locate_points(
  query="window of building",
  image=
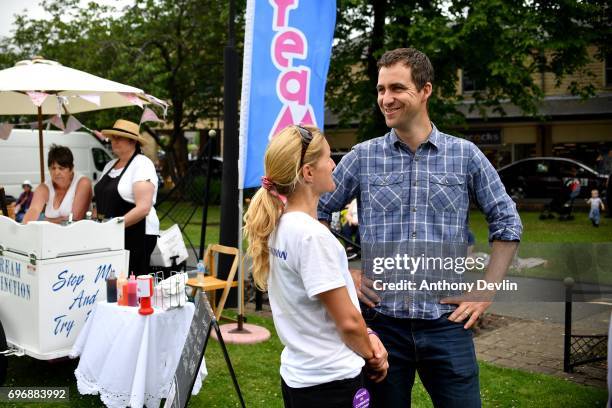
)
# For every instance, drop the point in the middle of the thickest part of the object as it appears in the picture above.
(469, 83)
(608, 63)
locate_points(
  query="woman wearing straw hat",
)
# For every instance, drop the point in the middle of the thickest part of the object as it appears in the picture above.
(128, 189)
(65, 194)
(312, 296)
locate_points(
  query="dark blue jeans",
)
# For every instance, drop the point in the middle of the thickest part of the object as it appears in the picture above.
(442, 352)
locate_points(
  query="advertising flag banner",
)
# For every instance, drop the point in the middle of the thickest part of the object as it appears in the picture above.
(287, 49)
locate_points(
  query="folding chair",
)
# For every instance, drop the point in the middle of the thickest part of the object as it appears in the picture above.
(211, 283)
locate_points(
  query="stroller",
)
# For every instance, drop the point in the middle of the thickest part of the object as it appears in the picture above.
(563, 204)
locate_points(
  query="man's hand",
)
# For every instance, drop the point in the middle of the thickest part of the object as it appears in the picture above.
(378, 365)
(365, 290)
(469, 307)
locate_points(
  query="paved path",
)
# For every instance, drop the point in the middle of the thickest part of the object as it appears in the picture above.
(535, 346)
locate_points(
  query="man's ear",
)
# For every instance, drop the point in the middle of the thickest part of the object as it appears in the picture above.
(427, 90)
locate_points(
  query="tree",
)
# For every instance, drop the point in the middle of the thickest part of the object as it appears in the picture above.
(501, 43)
(172, 49)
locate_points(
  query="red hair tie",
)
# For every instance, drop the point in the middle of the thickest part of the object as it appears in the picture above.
(268, 185)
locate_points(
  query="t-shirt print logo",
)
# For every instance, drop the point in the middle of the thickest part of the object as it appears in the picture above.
(278, 253)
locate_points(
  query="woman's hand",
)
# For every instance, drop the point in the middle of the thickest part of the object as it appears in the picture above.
(378, 365)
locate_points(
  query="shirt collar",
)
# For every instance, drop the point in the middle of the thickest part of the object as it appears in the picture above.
(434, 138)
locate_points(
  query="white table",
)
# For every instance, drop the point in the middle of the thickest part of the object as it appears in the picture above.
(130, 359)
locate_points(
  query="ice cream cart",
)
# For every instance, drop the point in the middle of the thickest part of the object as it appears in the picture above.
(50, 278)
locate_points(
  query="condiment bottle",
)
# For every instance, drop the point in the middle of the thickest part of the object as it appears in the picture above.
(122, 290)
(111, 287)
(131, 291)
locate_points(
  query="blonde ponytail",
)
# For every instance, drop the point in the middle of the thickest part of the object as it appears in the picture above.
(282, 168)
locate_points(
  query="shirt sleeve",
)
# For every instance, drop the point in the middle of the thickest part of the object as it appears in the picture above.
(144, 171)
(346, 177)
(320, 267)
(499, 209)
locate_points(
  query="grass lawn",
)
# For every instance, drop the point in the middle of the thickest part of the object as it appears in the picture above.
(257, 370)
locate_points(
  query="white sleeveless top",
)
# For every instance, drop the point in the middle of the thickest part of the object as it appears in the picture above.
(65, 207)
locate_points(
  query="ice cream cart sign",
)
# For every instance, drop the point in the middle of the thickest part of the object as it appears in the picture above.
(78, 293)
(10, 279)
(44, 307)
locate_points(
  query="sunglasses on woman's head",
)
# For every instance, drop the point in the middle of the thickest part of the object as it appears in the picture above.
(306, 136)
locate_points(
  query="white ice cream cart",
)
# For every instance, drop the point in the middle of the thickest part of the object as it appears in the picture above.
(50, 278)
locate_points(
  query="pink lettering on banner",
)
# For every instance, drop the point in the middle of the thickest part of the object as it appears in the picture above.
(286, 46)
(293, 83)
(281, 11)
(293, 86)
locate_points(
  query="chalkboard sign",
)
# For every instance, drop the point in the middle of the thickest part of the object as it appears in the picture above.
(193, 352)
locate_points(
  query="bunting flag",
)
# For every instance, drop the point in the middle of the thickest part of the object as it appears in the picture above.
(72, 125)
(37, 97)
(133, 98)
(5, 130)
(287, 49)
(158, 102)
(57, 122)
(148, 115)
(95, 99)
(99, 135)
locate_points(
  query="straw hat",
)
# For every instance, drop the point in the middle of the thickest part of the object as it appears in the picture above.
(125, 128)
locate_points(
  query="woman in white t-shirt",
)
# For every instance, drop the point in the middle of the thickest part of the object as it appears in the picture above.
(64, 194)
(128, 189)
(304, 268)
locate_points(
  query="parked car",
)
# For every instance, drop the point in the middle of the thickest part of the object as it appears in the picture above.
(544, 177)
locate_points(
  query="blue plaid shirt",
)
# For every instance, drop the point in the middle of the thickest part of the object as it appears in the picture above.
(421, 196)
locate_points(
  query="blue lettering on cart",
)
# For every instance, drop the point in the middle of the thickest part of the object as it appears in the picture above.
(278, 253)
(63, 325)
(11, 268)
(84, 300)
(15, 287)
(103, 272)
(64, 281)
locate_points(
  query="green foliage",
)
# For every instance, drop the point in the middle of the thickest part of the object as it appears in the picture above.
(502, 44)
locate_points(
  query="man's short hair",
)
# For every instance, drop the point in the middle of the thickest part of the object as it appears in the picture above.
(60, 155)
(421, 69)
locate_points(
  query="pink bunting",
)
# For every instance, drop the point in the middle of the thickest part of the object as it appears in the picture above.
(95, 99)
(57, 122)
(133, 98)
(148, 115)
(5, 130)
(99, 135)
(72, 124)
(37, 97)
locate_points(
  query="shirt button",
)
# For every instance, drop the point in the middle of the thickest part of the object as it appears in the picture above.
(413, 210)
(414, 184)
(414, 235)
(416, 159)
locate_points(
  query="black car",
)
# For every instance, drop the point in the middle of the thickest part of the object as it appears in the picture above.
(545, 177)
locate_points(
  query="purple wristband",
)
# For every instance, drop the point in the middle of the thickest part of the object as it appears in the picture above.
(370, 331)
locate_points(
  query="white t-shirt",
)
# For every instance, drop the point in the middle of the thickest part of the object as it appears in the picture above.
(595, 203)
(140, 169)
(305, 260)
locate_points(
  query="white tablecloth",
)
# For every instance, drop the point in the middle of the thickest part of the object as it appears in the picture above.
(131, 359)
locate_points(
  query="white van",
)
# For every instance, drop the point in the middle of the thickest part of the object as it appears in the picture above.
(19, 157)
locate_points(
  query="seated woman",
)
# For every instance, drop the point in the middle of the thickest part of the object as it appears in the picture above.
(24, 200)
(64, 193)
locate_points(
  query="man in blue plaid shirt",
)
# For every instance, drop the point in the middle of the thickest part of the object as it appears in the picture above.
(414, 185)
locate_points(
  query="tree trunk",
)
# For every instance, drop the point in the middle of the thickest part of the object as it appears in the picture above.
(179, 144)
